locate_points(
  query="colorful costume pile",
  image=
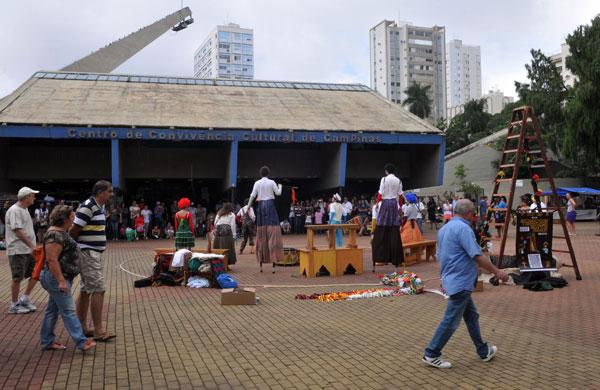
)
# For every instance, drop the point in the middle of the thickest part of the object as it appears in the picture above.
(407, 283)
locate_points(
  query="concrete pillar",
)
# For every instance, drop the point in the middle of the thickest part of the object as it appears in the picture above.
(342, 156)
(333, 167)
(232, 168)
(115, 163)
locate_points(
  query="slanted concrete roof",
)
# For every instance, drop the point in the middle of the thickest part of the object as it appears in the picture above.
(81, 99)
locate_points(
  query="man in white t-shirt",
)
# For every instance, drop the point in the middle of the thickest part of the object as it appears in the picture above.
(421, 207)
(147, 214)
(347, 205)
(20, 242)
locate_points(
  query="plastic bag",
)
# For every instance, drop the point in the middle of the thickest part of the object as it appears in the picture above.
(226, 281)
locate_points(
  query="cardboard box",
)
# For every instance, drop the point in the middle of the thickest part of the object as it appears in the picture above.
(238, 296)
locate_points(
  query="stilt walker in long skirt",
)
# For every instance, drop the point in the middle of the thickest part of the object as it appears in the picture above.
(269, 244)
(387, 244)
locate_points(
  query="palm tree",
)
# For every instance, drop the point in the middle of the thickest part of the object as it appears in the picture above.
(418, 100)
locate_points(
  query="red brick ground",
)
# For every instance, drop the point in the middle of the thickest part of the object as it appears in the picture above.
(182, 338)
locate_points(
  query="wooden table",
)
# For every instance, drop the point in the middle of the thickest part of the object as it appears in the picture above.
(335, 260)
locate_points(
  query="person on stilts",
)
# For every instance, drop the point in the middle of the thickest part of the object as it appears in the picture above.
(269, 244)
(386, 245)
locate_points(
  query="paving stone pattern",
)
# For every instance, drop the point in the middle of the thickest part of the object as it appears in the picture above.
(175, 337)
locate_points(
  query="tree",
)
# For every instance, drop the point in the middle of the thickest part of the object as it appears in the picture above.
(581, 142)
(470, 190)
(467, 127)
(475, 118)
(418, 100)
(546, 92)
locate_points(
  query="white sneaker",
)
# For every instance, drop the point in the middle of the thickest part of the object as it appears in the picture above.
(27, 304)
(491, 353)
(18, 309)
(437, 362)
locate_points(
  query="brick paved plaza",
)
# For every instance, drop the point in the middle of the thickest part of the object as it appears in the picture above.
(175, 337)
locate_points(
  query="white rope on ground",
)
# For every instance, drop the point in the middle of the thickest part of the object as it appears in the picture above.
(280, 285)
(129, 272)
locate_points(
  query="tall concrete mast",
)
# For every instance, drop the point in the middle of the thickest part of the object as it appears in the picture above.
(108, 58)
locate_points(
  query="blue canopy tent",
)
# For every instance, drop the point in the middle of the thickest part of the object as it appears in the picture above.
(562, 191)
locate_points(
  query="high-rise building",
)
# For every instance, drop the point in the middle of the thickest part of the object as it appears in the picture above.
(463, 73)
(560, 61)
(495, 101)
(227, 53)
(402, 54)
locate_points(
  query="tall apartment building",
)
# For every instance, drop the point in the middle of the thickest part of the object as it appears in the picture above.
(227, 53)
(402, 54)
(495, 101)
(560, 61)
(463, 73)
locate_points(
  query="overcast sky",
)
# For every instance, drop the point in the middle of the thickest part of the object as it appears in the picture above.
(302, 40)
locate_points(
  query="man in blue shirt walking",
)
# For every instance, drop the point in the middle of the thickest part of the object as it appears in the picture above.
(459, 256)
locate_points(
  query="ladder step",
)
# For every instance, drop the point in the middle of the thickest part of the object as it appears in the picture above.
(500, 195)
(561, 237)
(561, 251)
(503, 180)
(510, 151)
(507, 165)
(513, 136)
(537, 166)
(500, 209)
(534, 151)
(519, 122)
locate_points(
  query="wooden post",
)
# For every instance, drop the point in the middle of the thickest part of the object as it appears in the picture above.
(310, 235)
(331, 237)
(352, 238)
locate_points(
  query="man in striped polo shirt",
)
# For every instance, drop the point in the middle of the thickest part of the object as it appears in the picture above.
(89, 230)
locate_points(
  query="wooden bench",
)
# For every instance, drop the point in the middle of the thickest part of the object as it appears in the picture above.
(413, 251)
(335, 260)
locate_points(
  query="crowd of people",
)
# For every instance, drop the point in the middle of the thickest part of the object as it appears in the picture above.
(67, 242)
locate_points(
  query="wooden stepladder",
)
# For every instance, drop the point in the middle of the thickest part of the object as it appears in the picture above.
(524, 145)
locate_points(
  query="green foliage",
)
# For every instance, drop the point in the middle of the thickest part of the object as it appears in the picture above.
(460, 172)
(581, 141)
(418, 100)
(441, 124)
(467, 127)
(546, 93)
(470, 190)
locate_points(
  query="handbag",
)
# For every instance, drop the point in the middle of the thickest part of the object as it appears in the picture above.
(39, 254)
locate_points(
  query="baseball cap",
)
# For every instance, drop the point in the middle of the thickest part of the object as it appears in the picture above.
(23, 192)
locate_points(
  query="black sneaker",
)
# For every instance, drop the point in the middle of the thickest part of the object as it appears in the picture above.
(491, 353)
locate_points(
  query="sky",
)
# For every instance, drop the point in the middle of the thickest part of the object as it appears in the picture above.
(297, 40)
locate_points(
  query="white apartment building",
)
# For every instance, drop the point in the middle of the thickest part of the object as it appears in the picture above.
(560, 61)
(401, 54)
(495, 101)
(463, 74)
(226, 53)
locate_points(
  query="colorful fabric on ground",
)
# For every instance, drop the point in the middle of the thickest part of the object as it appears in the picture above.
(404, 280)
(410, 285)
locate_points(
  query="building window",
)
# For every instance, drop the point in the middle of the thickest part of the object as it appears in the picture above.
(224, 36)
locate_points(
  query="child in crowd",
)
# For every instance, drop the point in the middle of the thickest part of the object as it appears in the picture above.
(139, 226)
(169, 231)
(156, 232)
(286, 227)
